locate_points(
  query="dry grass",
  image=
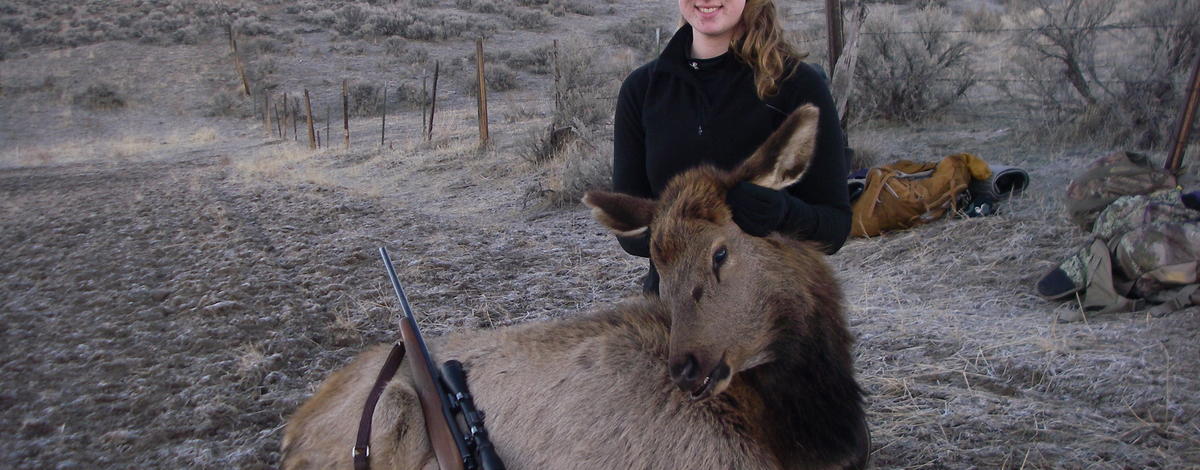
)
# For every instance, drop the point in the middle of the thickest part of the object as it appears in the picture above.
(120, 149)
(372, 171)
(354, 20)
(250, 359)
(287, 162)
(582, 164)
(962, 359)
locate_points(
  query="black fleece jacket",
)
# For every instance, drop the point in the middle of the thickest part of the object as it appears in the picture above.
(675, 113)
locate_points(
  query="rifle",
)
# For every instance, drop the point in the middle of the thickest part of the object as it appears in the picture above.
(441, 396)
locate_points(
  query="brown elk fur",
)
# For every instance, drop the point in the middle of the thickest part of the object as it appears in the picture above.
(764, 325)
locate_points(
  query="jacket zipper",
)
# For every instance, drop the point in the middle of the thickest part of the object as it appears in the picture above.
(704, 104)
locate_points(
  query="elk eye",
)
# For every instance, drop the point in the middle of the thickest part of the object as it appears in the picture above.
(719, 258)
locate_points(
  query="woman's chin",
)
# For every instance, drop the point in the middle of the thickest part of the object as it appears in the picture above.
(711, 28)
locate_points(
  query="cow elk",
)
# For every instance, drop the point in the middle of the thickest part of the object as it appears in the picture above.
(742, 362)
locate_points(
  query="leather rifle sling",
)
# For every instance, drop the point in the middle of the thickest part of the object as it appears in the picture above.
(362, 444)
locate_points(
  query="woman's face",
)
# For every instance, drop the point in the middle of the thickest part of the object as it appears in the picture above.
(712, 17)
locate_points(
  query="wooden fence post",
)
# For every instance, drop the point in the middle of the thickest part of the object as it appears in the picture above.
(424, 100)
(841, 81)
(312, 135)
(1183, 129)
(345, 115)
(327, 134)
(267, 113)
(481, 101)
(833, 24)
(278, 121)
(285, 116)
(433, 101)
(237, 61)
(295, 117)
(557, 79)
(383, 117)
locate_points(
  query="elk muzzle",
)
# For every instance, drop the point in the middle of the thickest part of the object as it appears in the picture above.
(698, 379)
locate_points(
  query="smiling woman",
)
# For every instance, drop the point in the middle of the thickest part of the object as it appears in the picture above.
(724, 82)
(712, 24)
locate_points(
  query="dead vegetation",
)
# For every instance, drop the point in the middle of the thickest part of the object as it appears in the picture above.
(497, 76)
(575, 149)
(100, 96)
(645, 35)
(907, 76)
(1085, 76)
(28, 24)
(355, 21)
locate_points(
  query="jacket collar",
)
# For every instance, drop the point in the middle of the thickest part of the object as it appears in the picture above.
(674, 57)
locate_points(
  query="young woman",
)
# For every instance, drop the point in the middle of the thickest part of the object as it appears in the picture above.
(725, 82)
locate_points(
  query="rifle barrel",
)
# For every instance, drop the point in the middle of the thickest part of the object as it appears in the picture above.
(387, 262)
(408, 313)
(444, 436)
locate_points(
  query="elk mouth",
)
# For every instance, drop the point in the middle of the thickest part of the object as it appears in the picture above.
(717, 377)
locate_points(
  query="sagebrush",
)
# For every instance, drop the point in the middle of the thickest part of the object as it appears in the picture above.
(1081, 78)
(910, 71)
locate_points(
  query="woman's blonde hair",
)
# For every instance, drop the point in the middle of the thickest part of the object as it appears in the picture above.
(760, 42)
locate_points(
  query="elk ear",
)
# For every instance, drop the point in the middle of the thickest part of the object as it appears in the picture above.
(628, 216)
(781, 160)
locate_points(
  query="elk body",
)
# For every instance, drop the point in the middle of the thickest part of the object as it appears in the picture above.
(742, 362)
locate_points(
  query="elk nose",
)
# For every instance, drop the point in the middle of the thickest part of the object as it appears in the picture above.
(685, 371)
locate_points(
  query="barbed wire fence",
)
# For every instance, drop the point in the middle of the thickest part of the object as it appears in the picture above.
(995, 74)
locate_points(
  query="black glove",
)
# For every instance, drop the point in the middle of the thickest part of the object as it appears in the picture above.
(1191, 200)
(757, 210)
(650, 282)
(638, 245)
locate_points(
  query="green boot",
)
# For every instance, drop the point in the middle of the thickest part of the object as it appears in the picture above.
(1089, 271)
(1065, 279)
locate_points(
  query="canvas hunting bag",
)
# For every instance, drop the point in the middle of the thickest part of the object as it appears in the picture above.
(905, 194)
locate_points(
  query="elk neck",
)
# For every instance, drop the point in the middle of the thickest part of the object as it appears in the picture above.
(813, 407)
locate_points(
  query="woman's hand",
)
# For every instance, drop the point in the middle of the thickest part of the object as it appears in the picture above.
(757, 210)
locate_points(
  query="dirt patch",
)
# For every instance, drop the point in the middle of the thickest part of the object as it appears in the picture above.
(162, 314)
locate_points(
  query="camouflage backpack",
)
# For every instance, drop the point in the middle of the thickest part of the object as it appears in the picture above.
(1108, 178)
(1146, 249)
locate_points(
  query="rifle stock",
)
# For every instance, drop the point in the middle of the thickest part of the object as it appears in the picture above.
(438, 418)
(433, 407)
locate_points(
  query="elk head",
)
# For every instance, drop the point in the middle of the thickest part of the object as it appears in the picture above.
(725, 289)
